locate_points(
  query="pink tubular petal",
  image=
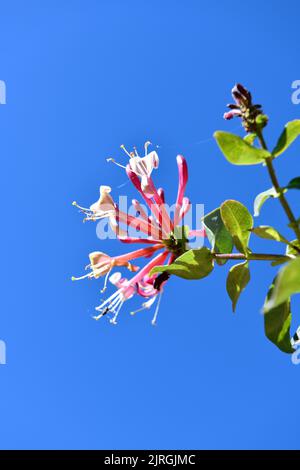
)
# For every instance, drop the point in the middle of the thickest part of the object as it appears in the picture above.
(161, 194)
(186, 205)
(142, 253)
(134, 222)
(139, 209)
(138, 240)
(172, 259)
(183, 179)
(158, 209)
(136, 182)
(159, 259)
(165, 220)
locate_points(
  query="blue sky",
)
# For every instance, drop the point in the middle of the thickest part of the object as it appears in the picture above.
(82, 78)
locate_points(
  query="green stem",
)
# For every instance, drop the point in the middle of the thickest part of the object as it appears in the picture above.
(251, 257)
(286, 207)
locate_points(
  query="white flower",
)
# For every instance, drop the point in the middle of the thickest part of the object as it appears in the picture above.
(105, 204)
(143, 168)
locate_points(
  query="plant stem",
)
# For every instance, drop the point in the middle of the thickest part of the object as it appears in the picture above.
(251, 257)
(286, 207)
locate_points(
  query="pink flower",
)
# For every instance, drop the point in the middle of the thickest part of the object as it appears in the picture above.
(158, 230)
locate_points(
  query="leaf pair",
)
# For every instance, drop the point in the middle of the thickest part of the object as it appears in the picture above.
(238, 221)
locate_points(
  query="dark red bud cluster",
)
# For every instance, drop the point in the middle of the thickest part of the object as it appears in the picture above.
(243, 108)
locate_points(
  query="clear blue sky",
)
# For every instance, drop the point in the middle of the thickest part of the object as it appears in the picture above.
(82, 78)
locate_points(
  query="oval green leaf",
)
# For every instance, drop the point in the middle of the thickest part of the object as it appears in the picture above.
(269, 233)
(194, 264)
(287, 283)
(278, 322)
(238, 221)
(237, 280)
(289, 134)
(237, 151)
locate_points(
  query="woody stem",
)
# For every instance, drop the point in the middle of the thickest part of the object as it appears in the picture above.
(286, 207)
(251, 257)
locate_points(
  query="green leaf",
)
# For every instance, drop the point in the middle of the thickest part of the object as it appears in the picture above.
(237, 280)
(294, 183)
(238, 221)
(250, 138)
(290, 133)
(287, 283)
(237, 151)
(217, 234)
(269, 233)
(194, 264)
(261, 198)
(278, 322)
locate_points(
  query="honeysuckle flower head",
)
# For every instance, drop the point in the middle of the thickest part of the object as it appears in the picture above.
(163, 239)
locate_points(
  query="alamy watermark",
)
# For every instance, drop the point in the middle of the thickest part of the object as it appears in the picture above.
(296, 93)
(2, 92)
(2, 352)
(296, 344)
(296, 356)
(129, 221)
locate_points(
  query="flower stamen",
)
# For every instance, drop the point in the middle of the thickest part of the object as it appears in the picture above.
(145, 305)
(156, 310)
(126, 151)
(114, 319)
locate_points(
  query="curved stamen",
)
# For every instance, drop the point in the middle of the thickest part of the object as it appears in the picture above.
(114, 319)
(145, 305)
(156, 310)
